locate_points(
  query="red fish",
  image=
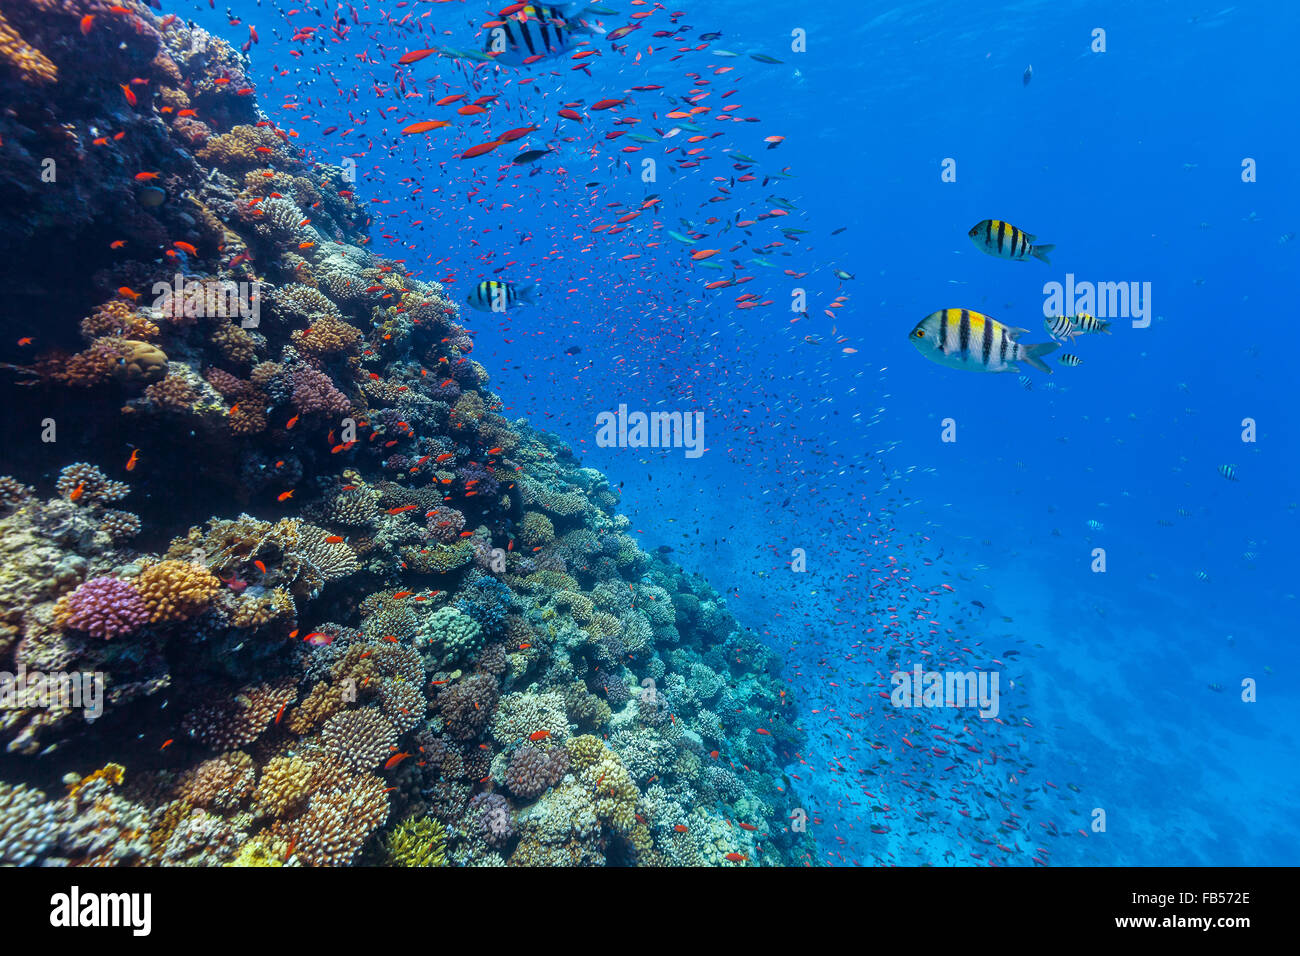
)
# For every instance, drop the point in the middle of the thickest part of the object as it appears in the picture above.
(425, 126)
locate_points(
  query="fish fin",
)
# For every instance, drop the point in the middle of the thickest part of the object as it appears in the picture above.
(1014, 334)
(1031, 237)
(1040, 252)
(525, 294)
(1104, 328)
(1031, 354)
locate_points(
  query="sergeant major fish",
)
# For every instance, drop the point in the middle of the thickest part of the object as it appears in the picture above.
(490, 295)
(960, 338)
(1005, 241)
(534, 32)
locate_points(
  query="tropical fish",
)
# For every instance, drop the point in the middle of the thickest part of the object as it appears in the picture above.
(534, 32)
(1228, 471)
(1061, 327)
(960, 338)
(1090, 323)
(530, 156)
(425, 126)
(490, 293)
(1005, 241)
(1068, 359)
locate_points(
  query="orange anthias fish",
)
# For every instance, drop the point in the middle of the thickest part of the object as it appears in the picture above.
(736, 857)
(402, 594)
(480, 149)
(285, 495)
(77, 492)
(537, 735)
(131, 462)
(681, 828)
(415, 56)
(394, 760)
(425, 126)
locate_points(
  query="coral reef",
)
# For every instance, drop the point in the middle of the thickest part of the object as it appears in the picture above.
(391, 625)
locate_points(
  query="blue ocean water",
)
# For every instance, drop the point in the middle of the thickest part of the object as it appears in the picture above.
(1128, 684)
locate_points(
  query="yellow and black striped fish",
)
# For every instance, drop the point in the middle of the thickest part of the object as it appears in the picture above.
(1068, 359)
(537, 30)
(1061, 327)
(1091, 324)
(1005, 241)
(493, 296)
(960, 338)
(1228, 471)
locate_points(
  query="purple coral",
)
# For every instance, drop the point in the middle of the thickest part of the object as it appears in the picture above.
(532, 771)
(314, 391)
(106, 607)
(485, 482)
(493, 818)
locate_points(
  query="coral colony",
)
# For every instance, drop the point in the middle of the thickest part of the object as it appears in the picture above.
(437, 644)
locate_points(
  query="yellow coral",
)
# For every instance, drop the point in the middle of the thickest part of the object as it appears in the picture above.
(29, 63)
(176, 590)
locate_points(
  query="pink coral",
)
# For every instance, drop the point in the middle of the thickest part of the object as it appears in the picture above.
(106, 607)
(314, 391)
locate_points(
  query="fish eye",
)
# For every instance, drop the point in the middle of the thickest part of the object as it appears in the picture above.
(919, 333)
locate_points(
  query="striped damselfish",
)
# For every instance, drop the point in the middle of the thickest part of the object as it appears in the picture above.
(1005, 241)
(960, 338)
(491, 295)
(534, 32)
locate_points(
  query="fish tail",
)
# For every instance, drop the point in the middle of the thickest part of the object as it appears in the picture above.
(525, 294)
(1040, 252)
(1032, 353)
